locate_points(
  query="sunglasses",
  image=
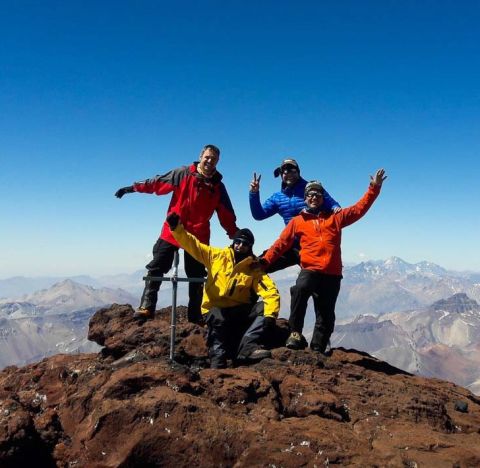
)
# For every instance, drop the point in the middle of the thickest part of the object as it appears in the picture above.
(242, 242)
(288, 168)
(314, 195)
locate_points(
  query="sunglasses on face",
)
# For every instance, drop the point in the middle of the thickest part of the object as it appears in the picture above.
(287, 169)
(242, 242)
(314, 195)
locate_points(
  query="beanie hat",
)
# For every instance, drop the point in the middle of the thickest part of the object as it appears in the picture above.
(286, 162)
(245, 235)
(313, 185)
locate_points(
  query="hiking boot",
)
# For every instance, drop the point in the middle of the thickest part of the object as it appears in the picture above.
(327, 351)
(259, 354)
(143, 314)
(295, 341)
(318, 350)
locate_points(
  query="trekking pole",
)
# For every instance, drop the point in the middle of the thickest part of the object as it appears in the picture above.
(175, 280)
(173, 324)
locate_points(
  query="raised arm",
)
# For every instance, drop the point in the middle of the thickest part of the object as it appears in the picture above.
(259, 211)
(353, 213)
(200, 252)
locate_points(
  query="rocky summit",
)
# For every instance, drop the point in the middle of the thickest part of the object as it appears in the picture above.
(129, 406)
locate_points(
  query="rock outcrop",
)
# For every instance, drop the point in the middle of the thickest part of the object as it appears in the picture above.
(129, 406)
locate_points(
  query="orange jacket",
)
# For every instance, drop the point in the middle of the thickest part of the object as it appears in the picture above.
(321, 235)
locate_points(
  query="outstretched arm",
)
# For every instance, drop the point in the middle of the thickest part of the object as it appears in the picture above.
(281, 245)
(353, 213)
(162, 184)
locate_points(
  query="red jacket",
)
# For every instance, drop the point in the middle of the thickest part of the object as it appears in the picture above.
(195, 199)
(321, 235)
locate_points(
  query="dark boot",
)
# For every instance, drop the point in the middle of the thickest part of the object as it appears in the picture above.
(143, 314)
(296, 341)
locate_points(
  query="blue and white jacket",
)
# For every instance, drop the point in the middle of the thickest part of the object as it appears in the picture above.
(287, 203)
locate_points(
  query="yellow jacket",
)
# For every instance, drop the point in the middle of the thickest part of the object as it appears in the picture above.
(229, 284)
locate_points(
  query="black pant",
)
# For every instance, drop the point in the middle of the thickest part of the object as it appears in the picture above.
(234, 332)
(161, 263)
(289, 258)
(324, 289)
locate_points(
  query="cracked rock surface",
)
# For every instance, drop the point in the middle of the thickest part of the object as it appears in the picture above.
(128, 406)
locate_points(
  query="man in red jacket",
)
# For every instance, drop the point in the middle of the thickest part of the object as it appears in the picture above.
(198, 192)
(320, 235)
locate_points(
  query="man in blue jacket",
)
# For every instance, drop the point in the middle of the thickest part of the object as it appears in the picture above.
(288, 202)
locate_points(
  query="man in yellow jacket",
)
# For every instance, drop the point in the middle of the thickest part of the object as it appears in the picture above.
(237, 323)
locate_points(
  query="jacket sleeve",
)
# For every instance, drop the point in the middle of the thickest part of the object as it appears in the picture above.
(188, 242)
(329, 202)
(282, 244)
(353, 213)
(267, 290)
(162, 184)
(226, 214)
(259, 211)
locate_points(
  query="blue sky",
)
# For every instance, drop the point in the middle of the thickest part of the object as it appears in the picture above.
(95, 95)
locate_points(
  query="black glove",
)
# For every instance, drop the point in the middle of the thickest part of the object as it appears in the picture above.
(269, 323)
(121, 192)
(263, 264)
(173, 219)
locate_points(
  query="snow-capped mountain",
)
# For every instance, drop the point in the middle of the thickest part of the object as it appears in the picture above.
(52, 320)
(441, 340)
(68, 296)
(64, 297)
(378, 287)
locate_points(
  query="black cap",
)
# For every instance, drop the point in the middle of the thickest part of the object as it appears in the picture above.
(244, 235)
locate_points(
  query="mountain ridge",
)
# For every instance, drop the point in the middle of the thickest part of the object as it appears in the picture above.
(129, 406)
(439, 340)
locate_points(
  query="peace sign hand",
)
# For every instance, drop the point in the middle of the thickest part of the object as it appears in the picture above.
(255, 183)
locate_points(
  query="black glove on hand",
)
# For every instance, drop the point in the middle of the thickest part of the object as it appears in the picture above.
(269, 323)
(173, 219)
(121, 192)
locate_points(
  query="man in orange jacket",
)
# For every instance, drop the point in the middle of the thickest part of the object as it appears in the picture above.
(320, 235)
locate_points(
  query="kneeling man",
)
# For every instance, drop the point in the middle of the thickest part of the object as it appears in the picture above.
(237, 323)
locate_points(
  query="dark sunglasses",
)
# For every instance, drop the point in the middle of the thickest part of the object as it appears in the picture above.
(244, 242)
(288, 168)
(314, 195)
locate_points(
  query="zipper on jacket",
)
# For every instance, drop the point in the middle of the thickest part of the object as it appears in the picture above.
(232, 288)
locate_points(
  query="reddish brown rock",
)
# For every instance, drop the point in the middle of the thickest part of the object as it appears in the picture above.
(129, 406)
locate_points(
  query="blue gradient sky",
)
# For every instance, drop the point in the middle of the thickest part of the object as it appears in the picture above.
(95, 95)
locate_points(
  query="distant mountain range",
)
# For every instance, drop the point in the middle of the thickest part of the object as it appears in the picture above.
(441, 340)
(51, 321)
(17, 286)
(378, 287)
(373, 287)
